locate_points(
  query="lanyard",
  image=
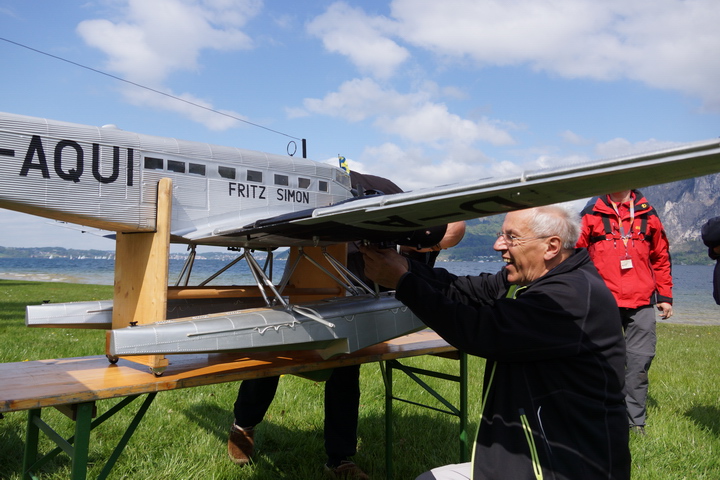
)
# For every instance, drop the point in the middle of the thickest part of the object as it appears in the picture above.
(623, 236)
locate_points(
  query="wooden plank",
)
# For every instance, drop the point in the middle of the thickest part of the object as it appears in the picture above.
(43, 383)
(71, 410)
(141, 268)
(141, 273)
(244, 291)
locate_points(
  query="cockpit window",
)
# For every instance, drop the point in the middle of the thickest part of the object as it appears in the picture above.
(254, 176)
(175, 166)
(197, 169)
(152, 163)
(227, 172)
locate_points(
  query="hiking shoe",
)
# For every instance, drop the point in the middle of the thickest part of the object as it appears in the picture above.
(241, 445)
(638, 429)
(345, 471)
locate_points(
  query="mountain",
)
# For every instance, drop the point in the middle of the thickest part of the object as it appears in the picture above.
(480, 235)
(684, 207)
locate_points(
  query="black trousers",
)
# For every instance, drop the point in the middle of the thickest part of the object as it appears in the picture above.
(342, 401)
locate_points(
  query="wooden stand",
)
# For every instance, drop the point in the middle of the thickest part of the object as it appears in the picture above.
(141, 275)
(307, 276)
(141, 278)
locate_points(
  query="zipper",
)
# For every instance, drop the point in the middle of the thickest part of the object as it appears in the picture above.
(534, 458)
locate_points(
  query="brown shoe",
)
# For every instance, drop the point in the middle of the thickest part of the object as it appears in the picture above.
(346, 471)
(241, 445)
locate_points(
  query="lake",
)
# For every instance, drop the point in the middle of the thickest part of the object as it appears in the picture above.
(693, 302)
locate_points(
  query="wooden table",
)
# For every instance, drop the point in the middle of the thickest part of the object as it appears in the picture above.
(73, 385)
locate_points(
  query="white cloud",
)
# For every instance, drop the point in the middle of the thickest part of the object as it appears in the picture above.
(665, 44)
(573, 138)
(359, 99)
(620, 147)
(557, 161)
(153, 40)
(9, 12)
(362, 38)
(189, 106)
(412, 168)
(432, 124)
(412, 117)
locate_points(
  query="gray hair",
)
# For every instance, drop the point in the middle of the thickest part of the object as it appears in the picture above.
(555, 220)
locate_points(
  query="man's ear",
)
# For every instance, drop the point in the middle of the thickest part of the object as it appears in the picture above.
(553, 247)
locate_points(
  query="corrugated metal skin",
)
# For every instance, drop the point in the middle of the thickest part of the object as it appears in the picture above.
(52, 169)
(118, 194)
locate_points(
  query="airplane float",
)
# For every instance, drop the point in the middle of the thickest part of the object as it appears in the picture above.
(153, 191)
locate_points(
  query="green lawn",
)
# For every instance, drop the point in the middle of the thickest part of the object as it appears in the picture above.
(184, 434)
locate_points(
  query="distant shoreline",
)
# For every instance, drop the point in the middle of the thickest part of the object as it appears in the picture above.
(44, 277)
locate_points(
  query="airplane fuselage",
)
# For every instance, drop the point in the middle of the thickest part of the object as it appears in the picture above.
(115, 180)
(107, 178)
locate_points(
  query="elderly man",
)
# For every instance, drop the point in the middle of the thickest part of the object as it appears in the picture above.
(553, 403)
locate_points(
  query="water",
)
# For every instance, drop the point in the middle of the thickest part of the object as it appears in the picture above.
(99, 271)
(693, 302)
(692, 290)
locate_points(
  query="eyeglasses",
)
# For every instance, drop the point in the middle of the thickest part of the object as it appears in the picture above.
(511, 239)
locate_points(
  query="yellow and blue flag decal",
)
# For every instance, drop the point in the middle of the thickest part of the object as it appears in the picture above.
(343, 164)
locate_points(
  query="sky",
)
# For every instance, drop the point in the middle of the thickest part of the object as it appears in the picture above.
(423, 92)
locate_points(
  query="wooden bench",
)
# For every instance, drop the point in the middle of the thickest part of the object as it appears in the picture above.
(73, 385)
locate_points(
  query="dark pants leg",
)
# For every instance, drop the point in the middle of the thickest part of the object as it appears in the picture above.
(641, 340)
(253, 400)
(342, 401)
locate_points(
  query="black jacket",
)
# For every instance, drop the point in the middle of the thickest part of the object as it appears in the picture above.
(710, 233)
(556, 357)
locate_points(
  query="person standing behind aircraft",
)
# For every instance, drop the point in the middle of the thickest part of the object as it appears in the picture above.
(553, 402)
(711, 238)
(342, 387)
(628, 245)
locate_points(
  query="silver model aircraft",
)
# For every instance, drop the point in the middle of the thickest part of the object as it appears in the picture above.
(154, 191)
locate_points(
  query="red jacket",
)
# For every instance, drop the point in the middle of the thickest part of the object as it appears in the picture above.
(638, 270)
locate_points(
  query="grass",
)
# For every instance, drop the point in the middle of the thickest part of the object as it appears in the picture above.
(184, 434)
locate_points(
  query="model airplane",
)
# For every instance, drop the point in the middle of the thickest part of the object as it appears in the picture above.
(153, 191)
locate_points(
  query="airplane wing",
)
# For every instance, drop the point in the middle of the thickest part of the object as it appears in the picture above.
(388, 217)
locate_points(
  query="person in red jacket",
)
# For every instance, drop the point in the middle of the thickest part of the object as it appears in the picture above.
(627, 243)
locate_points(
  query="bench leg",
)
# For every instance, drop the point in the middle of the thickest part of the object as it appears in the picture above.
(461, 412)
(82, 441)
(32, 436)
(77, 447)
(387, 377)
(465, 440)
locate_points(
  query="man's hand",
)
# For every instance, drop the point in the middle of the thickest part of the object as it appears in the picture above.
(384, 266)
(665, 309)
